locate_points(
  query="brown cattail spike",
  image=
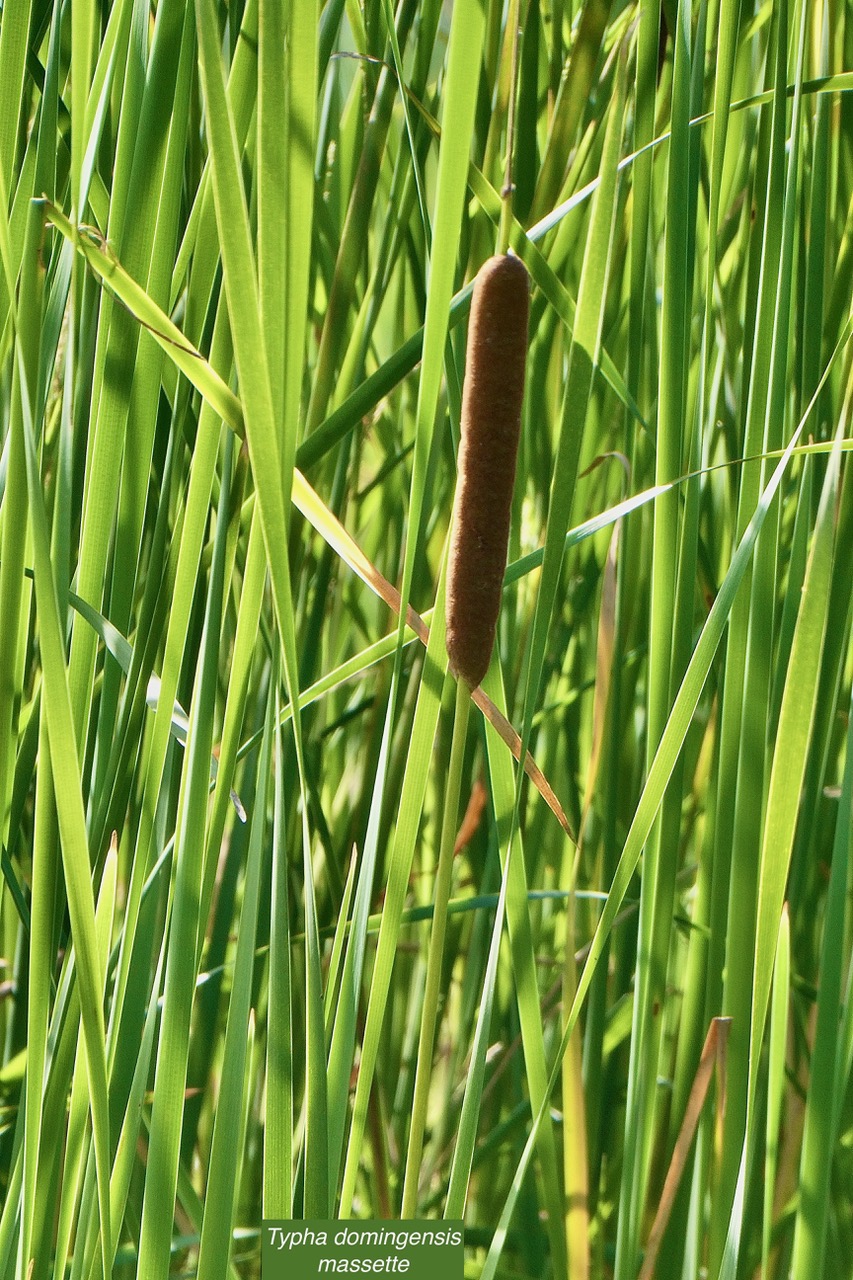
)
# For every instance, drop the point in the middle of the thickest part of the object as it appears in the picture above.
(491, 421)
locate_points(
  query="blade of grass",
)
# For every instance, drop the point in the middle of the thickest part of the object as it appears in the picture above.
(69, 799)
(220, 1200)
(170, 1074)
(826, 1075)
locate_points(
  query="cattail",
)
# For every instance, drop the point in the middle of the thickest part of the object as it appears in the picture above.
(491, 421)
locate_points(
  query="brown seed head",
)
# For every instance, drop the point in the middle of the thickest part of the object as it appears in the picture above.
(491, 420)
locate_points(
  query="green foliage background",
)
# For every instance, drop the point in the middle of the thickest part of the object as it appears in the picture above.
(242, 970)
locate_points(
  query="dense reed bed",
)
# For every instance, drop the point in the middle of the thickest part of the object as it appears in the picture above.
(285, 929)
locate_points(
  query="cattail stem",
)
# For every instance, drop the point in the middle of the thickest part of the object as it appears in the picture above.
(506, 207)
(432, 991)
